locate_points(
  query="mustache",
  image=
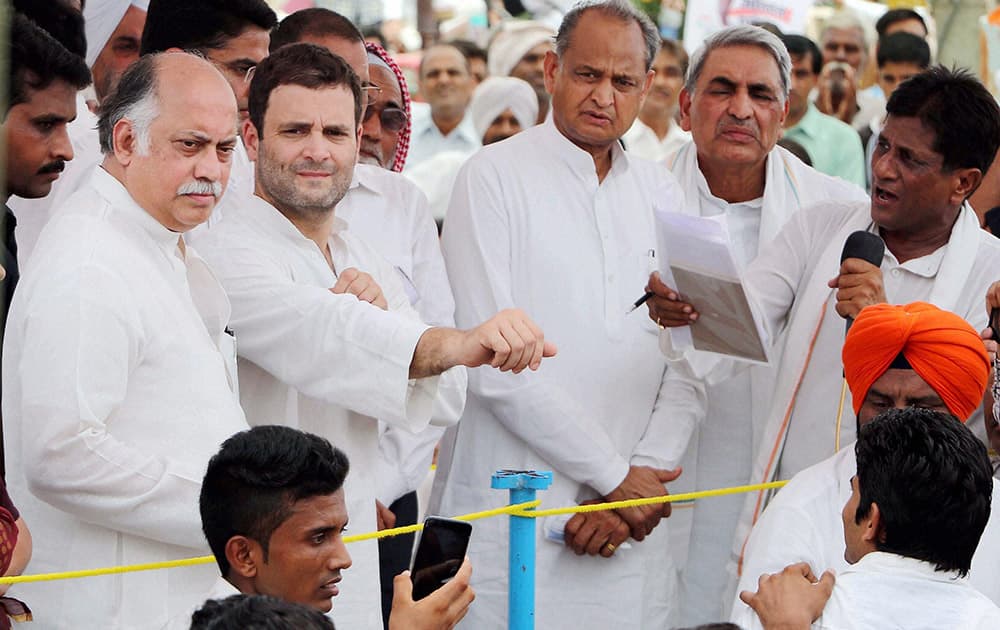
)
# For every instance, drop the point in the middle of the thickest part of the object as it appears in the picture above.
(53, 167)
(201, 187)
(315, 167)
(731, 122)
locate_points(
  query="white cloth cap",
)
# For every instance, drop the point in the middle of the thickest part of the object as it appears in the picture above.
(496, 94)
(101, 18)
(513, 41)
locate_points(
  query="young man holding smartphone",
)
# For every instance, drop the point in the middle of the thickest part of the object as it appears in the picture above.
(273, 511)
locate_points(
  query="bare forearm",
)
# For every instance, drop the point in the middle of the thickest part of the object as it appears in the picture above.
(435, 352)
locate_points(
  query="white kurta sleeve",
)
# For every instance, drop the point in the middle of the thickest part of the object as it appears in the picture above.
(773, 278)
(436, 305)
(477, 250)
(81, 340)
(680, 406)
(328, 346)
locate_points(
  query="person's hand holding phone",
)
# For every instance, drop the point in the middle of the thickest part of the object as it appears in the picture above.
(441, 610)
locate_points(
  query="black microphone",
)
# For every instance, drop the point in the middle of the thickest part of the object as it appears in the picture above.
(866, 246)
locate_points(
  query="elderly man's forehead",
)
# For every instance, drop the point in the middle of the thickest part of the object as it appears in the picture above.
(191, 87)
(839, 34)
(385, 79)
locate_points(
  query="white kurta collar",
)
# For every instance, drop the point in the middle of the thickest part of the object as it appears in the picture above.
(118, 196)
(896, 565)
(580, 162)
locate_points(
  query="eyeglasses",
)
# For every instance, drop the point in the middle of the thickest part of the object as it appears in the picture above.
(392, 119)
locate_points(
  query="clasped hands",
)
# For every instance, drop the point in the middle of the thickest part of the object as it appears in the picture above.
(600, 533)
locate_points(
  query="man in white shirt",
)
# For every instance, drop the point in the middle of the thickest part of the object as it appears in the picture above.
(517, 49)
(917, 508)
(312, 356)
(938, 141)
(734, 103)
(894, 357)
(655, 134)
(234, 36)
(446, 85)
(559, 219)
(113, 29)
(389, 213)
(273, 510)
(844, 40)
(120, 377)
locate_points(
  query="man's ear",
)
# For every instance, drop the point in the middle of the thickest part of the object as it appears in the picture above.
(684, 100)
(874, 528)
(551, 67)
(124, 142)
(243, 555)
(967, 180)
(250, 139)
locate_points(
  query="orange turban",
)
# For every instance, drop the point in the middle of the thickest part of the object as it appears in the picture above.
(940, 346)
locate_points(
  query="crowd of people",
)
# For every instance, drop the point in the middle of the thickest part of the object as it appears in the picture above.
(254, 285)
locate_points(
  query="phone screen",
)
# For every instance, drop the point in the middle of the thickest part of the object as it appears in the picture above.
(442, 547)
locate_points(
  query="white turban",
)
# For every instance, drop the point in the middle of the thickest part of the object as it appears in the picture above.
(101, 18)
(497, 94)
(513, 41)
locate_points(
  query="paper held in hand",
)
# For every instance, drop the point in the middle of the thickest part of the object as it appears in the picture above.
(700, 265)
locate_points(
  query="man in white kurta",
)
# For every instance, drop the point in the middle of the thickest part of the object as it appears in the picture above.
(922, 584)
(119, 376)
(802, 523)
(314, 357)
(754, 190)
(791, 280)
(558, 220)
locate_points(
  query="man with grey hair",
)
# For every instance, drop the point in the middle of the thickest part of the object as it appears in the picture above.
(120, 377)
(844, 42)
(586, 417)
(733, 103)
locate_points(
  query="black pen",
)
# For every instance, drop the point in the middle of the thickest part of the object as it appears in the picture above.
(640, 302)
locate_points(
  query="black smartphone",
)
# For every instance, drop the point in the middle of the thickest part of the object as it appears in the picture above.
(440, 552)
(995, 324)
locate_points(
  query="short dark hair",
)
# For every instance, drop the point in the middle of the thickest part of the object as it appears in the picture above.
(257, 612)
(894, 16)
(932, 481)
(961, 112)
(799, 45)
(676, 49)
(201, 25)
(59, 19)
(37, 59)
(317, 22)
(257, 476)
(903, 48)
(470, 50)
(135, 98)
(308, 65)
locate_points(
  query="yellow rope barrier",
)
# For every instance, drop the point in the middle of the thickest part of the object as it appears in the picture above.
(520, 509)
(667, 498)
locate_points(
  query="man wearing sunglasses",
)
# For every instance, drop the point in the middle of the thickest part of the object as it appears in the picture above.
(391, 214)
(386, 122)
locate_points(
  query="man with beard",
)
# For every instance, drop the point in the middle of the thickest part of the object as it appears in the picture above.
(389, 213)
(311, 356)
(518, 50)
